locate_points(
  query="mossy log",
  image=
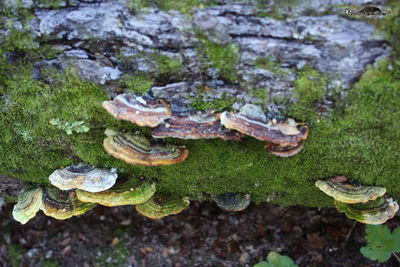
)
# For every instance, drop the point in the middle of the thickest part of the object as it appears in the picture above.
(354, 129)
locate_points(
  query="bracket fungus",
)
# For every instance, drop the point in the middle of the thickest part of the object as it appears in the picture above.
(28, 205)
(232, 202)
(284, 151)
(344, 191)
(143, 110)
(127, 193)
(194, 125)
(157, 207)
(63, 204)
(372, 212)
(252, 121)
(137, 150)
(83, 177)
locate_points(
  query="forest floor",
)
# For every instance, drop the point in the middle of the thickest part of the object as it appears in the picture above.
(202, 235)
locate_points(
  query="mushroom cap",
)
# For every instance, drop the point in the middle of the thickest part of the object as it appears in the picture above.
(29, 203)
(284, 151)
(130, 192)
(138, 150)
(252, 121)
(62, 205)
(157, 208)
(343, 191)
(143, 110)
(83, 177)
(194, 125)
(372, 212)
(232, 202)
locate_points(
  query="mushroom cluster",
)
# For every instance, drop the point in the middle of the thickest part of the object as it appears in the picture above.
(52, 201)
(136, 149)
(284, 136)
(79, 188)
(366, 204)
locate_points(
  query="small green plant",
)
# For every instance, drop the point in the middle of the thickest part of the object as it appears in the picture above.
(381, 243)
(69, 127)
(26, 135)
(274, 259)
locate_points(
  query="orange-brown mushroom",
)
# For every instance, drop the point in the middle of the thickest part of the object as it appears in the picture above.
(252, 121)
(141, 110)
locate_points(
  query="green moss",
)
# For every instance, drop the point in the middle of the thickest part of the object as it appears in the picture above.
(223, 57)
(310, 86)
(269, 63)
(168, 66)
(138, 84)
(219, 104)
(265, 9)
(51, 3)
(185, 7)
(361, 143)
(260, 93)
(165, 69)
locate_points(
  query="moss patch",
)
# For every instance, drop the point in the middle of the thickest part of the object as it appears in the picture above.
(138, 84)
(360, 143)
(310, 86)
(223, 57)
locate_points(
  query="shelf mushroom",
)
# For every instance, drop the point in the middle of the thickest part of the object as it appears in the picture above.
(142, 110)
(134, 149)
(127, 193)
(232, 202)
(159, 207)
(29, 203)
(83, 177)
(252, 121)
(62, 205)
(372, 212)
(366, 204)
(190, 124)
(342, 190)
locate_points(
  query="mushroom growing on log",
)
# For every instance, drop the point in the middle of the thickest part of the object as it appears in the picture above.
(142, 110)
(128, 193)
(342, 190)
(135, 149)
(159, 207)
(83, 177)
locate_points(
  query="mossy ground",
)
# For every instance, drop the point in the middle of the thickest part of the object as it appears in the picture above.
(359, 141)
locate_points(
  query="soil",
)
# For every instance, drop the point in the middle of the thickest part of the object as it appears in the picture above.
(202, 235)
